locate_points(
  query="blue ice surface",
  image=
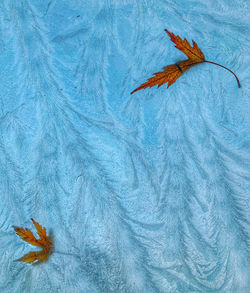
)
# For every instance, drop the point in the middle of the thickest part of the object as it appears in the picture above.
(144, 193)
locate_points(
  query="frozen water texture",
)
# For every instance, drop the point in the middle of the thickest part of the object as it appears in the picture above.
(144, 193)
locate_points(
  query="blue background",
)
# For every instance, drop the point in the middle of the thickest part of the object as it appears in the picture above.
(145, 192)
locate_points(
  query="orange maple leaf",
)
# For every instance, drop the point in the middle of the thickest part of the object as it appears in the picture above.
(45, 242)
(172, 72)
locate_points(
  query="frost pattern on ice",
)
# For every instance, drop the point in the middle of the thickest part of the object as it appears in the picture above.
(144, 193)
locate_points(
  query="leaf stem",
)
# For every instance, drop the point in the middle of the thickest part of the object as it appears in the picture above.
(67, 253)
(226, 69)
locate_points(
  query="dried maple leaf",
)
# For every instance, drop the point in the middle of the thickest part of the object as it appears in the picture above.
(172, 72)
(45, 242)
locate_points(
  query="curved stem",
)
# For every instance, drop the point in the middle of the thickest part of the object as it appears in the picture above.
(67, 253)
(226, 69)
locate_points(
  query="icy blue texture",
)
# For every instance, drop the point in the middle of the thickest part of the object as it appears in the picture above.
(144, 193)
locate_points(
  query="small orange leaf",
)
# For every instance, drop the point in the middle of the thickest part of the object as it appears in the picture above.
(45, 242)
(172, 72)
